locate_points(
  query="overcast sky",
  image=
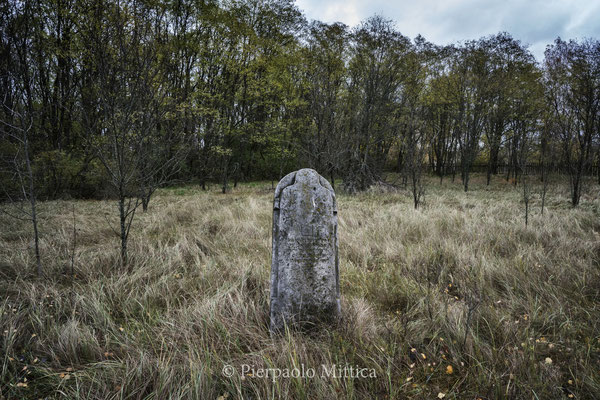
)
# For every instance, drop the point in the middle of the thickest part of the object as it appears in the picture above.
(536, 23)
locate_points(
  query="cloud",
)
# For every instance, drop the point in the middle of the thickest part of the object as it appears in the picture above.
(349, 12)
(536, 22)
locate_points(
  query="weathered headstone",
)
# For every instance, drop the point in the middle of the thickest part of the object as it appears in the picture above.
(305, 286)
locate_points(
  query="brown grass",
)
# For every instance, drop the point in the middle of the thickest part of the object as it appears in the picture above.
(461, 281)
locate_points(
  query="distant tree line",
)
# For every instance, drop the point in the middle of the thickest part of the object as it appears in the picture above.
(115, 98)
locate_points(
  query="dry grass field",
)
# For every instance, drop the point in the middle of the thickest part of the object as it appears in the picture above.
(456, 300)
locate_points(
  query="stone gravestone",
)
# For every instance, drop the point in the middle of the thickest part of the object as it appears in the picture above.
(305, 288)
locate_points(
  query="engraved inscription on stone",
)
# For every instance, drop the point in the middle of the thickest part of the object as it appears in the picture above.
(304, 270)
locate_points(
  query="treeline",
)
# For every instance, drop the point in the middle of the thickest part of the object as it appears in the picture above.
(115, 98)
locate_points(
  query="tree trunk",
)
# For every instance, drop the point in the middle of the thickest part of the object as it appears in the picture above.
(465, 175)
(224, 188)
(415, 187)
(38, 260)
(576, 181)
(598, 171)
(36, 236)
(543, 200)
(400, 161)
(576, 191)
(123, 223)
(453, 172)
(332, 180)
(544, 183)
(492, 168)
(526, 198)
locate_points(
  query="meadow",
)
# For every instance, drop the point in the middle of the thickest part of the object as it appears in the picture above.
(456, 300)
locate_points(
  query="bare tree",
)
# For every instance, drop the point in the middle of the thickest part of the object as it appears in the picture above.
(415, 154)
(545, 159)
(415, 130)
(18, 132)
(17, 121)
(522, 163)
(375, 73)
(526, 92)
(573, 89)
(126, 135)
(472, 95)
(440, 119)
(321, 147)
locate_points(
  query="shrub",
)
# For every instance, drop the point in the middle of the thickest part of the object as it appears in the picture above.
(59, 174)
